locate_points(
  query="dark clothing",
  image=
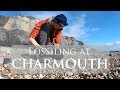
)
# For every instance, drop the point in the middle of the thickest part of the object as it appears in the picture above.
(44, 34)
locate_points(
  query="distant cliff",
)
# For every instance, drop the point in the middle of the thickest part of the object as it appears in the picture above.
(14, 30)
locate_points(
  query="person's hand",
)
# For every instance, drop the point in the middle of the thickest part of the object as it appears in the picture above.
(56, 45)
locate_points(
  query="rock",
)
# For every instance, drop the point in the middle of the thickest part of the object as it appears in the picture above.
(17, 37)
(1, 77)
(70, 78)
(40, 76)
(115, 77)
(21, 23)
(70, 41)
(2, 35)
(105, 75)
(110, 54)
(66, 77)
(3, 20)
(53, 76)
(5, 72)
(13, 29)
(70, 73)
(6, 61)
(116, 68)
(110, 76)
(5, 65)
(27, 76)
(12, 77)
(30, 17)
(20, 76)
(34, 76)
(99, 77)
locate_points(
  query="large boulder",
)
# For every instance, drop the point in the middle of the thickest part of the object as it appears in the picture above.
(20, 22)
(17, 37)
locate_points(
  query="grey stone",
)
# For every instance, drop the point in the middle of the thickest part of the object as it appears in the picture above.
(6, 61)
(17, 37)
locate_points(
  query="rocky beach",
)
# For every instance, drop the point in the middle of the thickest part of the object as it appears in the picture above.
(14, 30)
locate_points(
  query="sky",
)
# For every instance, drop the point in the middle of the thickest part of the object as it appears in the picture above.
(90, 27)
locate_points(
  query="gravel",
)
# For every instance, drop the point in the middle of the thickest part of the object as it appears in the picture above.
(114, 72)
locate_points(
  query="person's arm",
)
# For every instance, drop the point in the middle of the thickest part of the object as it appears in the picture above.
(35, 32)
(33, 42)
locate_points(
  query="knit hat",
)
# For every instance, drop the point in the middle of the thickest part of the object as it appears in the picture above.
(61, 18)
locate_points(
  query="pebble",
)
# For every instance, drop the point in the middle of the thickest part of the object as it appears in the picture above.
(119, 75)
(20, 76)
(70, 78)
(34, 76)
(15, 75)
(27, 76)
(11, 77)
(9, 74)
(66, 78)
(5, 72)
(99, 77)
(70, 73)
(5, 65)
(109, 76)
(104, 74)
(1, 66)
(40, 76)
(1, 77)
(53, 76)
